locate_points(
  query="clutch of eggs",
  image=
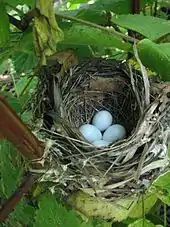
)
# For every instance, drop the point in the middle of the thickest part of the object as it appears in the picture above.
(102, 122)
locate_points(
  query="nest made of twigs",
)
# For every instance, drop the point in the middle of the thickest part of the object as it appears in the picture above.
(123, 168)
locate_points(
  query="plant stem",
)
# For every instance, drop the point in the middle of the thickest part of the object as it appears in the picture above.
(123, 36)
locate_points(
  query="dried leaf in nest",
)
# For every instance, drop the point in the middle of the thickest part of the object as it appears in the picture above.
(122, 169)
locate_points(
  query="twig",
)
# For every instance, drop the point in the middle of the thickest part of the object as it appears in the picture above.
(155, 8)
(144, 75)
(89, 24)
(26, 86)
(11, 203)
(28, 17)
(136, 7)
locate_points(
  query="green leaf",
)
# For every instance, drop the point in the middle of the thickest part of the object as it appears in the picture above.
(163, 181)
(142, 223)
(4, 25)
(12, 101)
(149, 202)
(156, 57)
(10, 172)
(151, 27)
(94, 12)
(7, 51)
(3, 67)
(52, 214)
(24, 57)
(85, 35)
(161, 187)
(23, 213)
(23, 82)
(118, 6)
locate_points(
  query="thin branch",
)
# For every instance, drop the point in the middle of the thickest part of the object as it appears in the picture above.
(155, 8)
(89, 24)
(136, 6)
(29, 16)
(11, 203)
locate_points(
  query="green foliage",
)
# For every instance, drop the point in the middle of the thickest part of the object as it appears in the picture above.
(22, 51)
(12, 101)
(151, 27)
(10, 169)
(141, 223)
(116, 6)
(52, 214)
(95, 12)
(24, 56)
(161, 188)
(147, 201)
(88, 40)
(4, 25)
(155, 56)
(86, 35)
(23, 214)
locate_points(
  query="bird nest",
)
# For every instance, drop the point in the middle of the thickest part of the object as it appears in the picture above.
(66, 101)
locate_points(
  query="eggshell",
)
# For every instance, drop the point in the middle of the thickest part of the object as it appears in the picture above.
(101, 143)
(90, 132)
(114, 133)
(102, 120)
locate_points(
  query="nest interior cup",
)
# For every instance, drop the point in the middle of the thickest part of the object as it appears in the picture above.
(102, 85)
(123, 168)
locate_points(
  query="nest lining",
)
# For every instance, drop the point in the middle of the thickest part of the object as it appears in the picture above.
(123, 168)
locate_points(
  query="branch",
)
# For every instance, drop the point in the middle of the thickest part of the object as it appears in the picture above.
(11, 203)
(15, 130)
(30, 15)
(89, 24)
(136, 7)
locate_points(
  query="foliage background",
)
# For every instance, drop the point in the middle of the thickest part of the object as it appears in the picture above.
(84, 27)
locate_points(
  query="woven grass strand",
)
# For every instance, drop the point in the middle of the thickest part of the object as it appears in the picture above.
(121, 169)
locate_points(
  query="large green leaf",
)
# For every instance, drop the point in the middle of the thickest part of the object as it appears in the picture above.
(4, 25)
(117, 6)
(141, 223)
(23, 82)
(94, 12)
(156, 57)
(22, 51)
(52, 214)
(9, 171)
(84, 35)
(148, 201)
(151, 27)
(23, 214)
(24, 57)
(161, 188)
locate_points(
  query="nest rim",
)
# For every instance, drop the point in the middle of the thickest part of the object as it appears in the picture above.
(107, 185)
